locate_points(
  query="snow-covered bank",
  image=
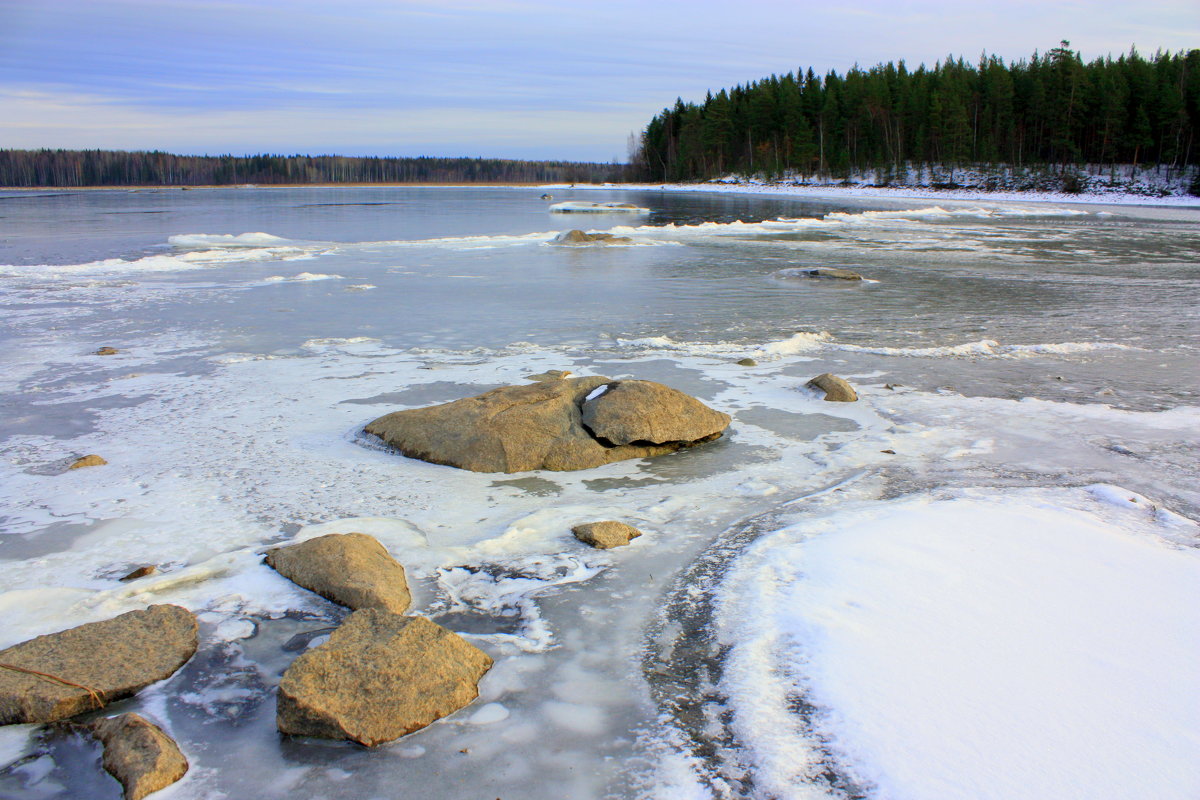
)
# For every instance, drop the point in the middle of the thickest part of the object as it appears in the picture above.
(864, 188)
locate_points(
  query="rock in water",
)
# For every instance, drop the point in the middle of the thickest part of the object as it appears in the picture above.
(835, 388)
(107, 351)
(88, 461)
(540, 426)
(747, 362)
(352, 569)
(648, 412)
(139, 755)
(605, 535)
(380, 676)
(87, 667)
(578, 237)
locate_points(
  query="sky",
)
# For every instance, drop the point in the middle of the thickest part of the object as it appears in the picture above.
(492, 78)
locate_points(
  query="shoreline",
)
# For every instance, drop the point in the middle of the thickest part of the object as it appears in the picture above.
(771, 189)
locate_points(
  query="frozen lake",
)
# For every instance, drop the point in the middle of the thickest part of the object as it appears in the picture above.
(981, 580)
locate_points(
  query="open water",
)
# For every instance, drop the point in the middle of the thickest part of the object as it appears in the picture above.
(827, 602)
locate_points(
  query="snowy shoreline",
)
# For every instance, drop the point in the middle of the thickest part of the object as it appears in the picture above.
(902, 193)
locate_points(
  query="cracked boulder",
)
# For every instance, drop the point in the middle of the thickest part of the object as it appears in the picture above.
(568, 424)
(81, 669)
(380, 676)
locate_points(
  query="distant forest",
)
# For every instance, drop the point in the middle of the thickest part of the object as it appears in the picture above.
(119, 168)
(1050, 110)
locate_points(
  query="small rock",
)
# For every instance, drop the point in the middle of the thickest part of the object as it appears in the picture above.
(889, 452)
(891, 387)
(836, 389)
(747, 362)
(605, 535)
(549, 375)
(352, 569)
(140, 572)
(89, 666)
(88, 461)
(578, 237)
(107, 351)
(139, 755)
(380, 676)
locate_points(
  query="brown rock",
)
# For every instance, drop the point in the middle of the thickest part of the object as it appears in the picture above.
(107, 351)
(139, 755)
(88, 461)
(518, 428)
(102, 661)
(605, 535)
(835, 388)
(747, 362)
(140, 572)
(578, 237)
(549, 375)
(352, 569)
(380, 676)
(821, 272)
(648, 412)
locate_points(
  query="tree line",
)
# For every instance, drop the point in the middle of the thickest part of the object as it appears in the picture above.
(21, 168)
(1051, 109)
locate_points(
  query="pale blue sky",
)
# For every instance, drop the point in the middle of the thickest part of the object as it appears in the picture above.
(506, 78)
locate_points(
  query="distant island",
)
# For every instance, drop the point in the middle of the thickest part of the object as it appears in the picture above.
(80, 168)
(1048, 123)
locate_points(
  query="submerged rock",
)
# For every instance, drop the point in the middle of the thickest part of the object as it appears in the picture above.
(835, 388)
(821, 272)
(605, 535)
(578, 237)
(380, 676)
(541, 426)
(81, 669)
(88, 461)
(139, 755)
(107, 351)
(352, 569)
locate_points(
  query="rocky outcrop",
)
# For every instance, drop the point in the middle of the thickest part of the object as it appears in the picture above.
(81, 669)
(578, 237)
(605, 535)
(631, 412)
(88, 461)
(380, 676)
(541, 426)
(139, 755)
(352, 569)
(835, 388)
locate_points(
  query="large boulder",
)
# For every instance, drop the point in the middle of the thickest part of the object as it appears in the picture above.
(81, 669)
(541, 426)
(139, 755)
(352, 569)
(578, 237)
(836, 389)
(645, 411)
(380, 676)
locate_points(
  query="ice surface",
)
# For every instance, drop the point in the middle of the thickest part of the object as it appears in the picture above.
(977, 645)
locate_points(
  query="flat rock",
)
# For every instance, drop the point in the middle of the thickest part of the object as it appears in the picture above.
(113, 659)
(88, 461)
(139, 755)
(380, 676)
(578, 237)
(352, 569)
(835, 388)
(549, 375)
(631, 412)
(528, 427)
(605, 535)
(835, 273)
